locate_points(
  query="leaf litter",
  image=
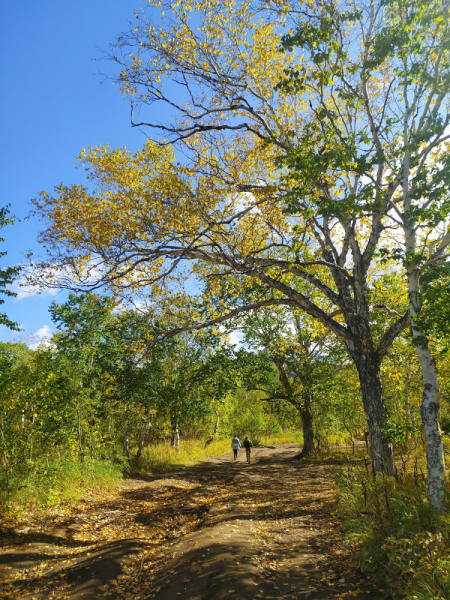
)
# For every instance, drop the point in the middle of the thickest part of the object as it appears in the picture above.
(266, 529)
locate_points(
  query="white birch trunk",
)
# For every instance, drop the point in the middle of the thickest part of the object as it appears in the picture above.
(431, 389)
(126, 445)
(145, 430)
(175, 441)
(430, 404)
(216, 428)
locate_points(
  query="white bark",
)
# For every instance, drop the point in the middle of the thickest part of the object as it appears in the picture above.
(407, 407)
(126, 445)
(430, 404)
(216, 428)
(145, 430)
(431, 389)
(175, 441)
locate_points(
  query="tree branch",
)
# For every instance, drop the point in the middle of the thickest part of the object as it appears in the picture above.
(390, 335)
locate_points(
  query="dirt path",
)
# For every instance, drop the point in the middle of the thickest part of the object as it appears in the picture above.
(222, 529)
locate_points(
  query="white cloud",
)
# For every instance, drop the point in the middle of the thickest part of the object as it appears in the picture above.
(236, 338)
(49, 281)
(26, 290)
(40, 337)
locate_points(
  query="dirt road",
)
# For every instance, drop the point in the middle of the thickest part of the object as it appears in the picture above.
(222, 529)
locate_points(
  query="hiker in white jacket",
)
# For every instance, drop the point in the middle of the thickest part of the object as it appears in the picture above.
(235, 444)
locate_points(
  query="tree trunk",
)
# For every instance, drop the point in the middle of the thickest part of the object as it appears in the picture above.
(352, 441)
(366, 440)
(377, 414)
(308, 430)
(30, 437)
(407, 408)
(431, 390)
(145, 431)
(317, 437)
(80, 431)
(126, 445)
(430, 402)
(175, 442)
(433, 434)
(80, 437)
(216, 428)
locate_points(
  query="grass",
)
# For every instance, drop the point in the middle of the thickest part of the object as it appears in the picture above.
(161, 457)
(66, 480)
(287, 437)
(63, 480)
(393, 531)
(388, 524)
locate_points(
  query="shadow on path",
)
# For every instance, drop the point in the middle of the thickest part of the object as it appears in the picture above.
(220, 529)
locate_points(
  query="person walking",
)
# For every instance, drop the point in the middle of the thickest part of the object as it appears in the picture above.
(235, 444)
(248, 448)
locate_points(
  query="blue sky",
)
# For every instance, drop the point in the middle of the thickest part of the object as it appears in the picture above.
(53, 103)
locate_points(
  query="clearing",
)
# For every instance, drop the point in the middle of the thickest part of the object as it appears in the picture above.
(220, 529)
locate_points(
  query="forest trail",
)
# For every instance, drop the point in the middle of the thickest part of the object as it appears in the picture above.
(221, 529)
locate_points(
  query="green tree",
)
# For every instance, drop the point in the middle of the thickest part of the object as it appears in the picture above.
(36, 414)
(8, 274)
(379, 119)
(226, 213)
(190, 379)
(84, 321)
(304, 356)
(128, 358)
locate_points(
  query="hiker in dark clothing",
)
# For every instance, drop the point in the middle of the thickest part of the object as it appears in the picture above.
(235, 444)
(248, 448)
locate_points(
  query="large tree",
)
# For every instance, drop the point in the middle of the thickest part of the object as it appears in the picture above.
(222, 212)
(379, 75)
(226, 212)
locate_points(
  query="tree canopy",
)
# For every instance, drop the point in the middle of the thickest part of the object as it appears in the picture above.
(314, 150)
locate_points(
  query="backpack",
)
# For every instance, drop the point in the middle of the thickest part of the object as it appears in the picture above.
(248, 444)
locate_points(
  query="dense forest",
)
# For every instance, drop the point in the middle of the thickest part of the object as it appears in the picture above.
(294, 198)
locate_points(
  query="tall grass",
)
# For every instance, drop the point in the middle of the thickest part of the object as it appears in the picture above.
(63, 480)
(285, 437)
(66, 480)
(162, 457)
(393, 530)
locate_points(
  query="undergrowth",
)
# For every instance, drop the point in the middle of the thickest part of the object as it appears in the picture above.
(393, 530)
(286, 437)
(63, 480)
(66, 480)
